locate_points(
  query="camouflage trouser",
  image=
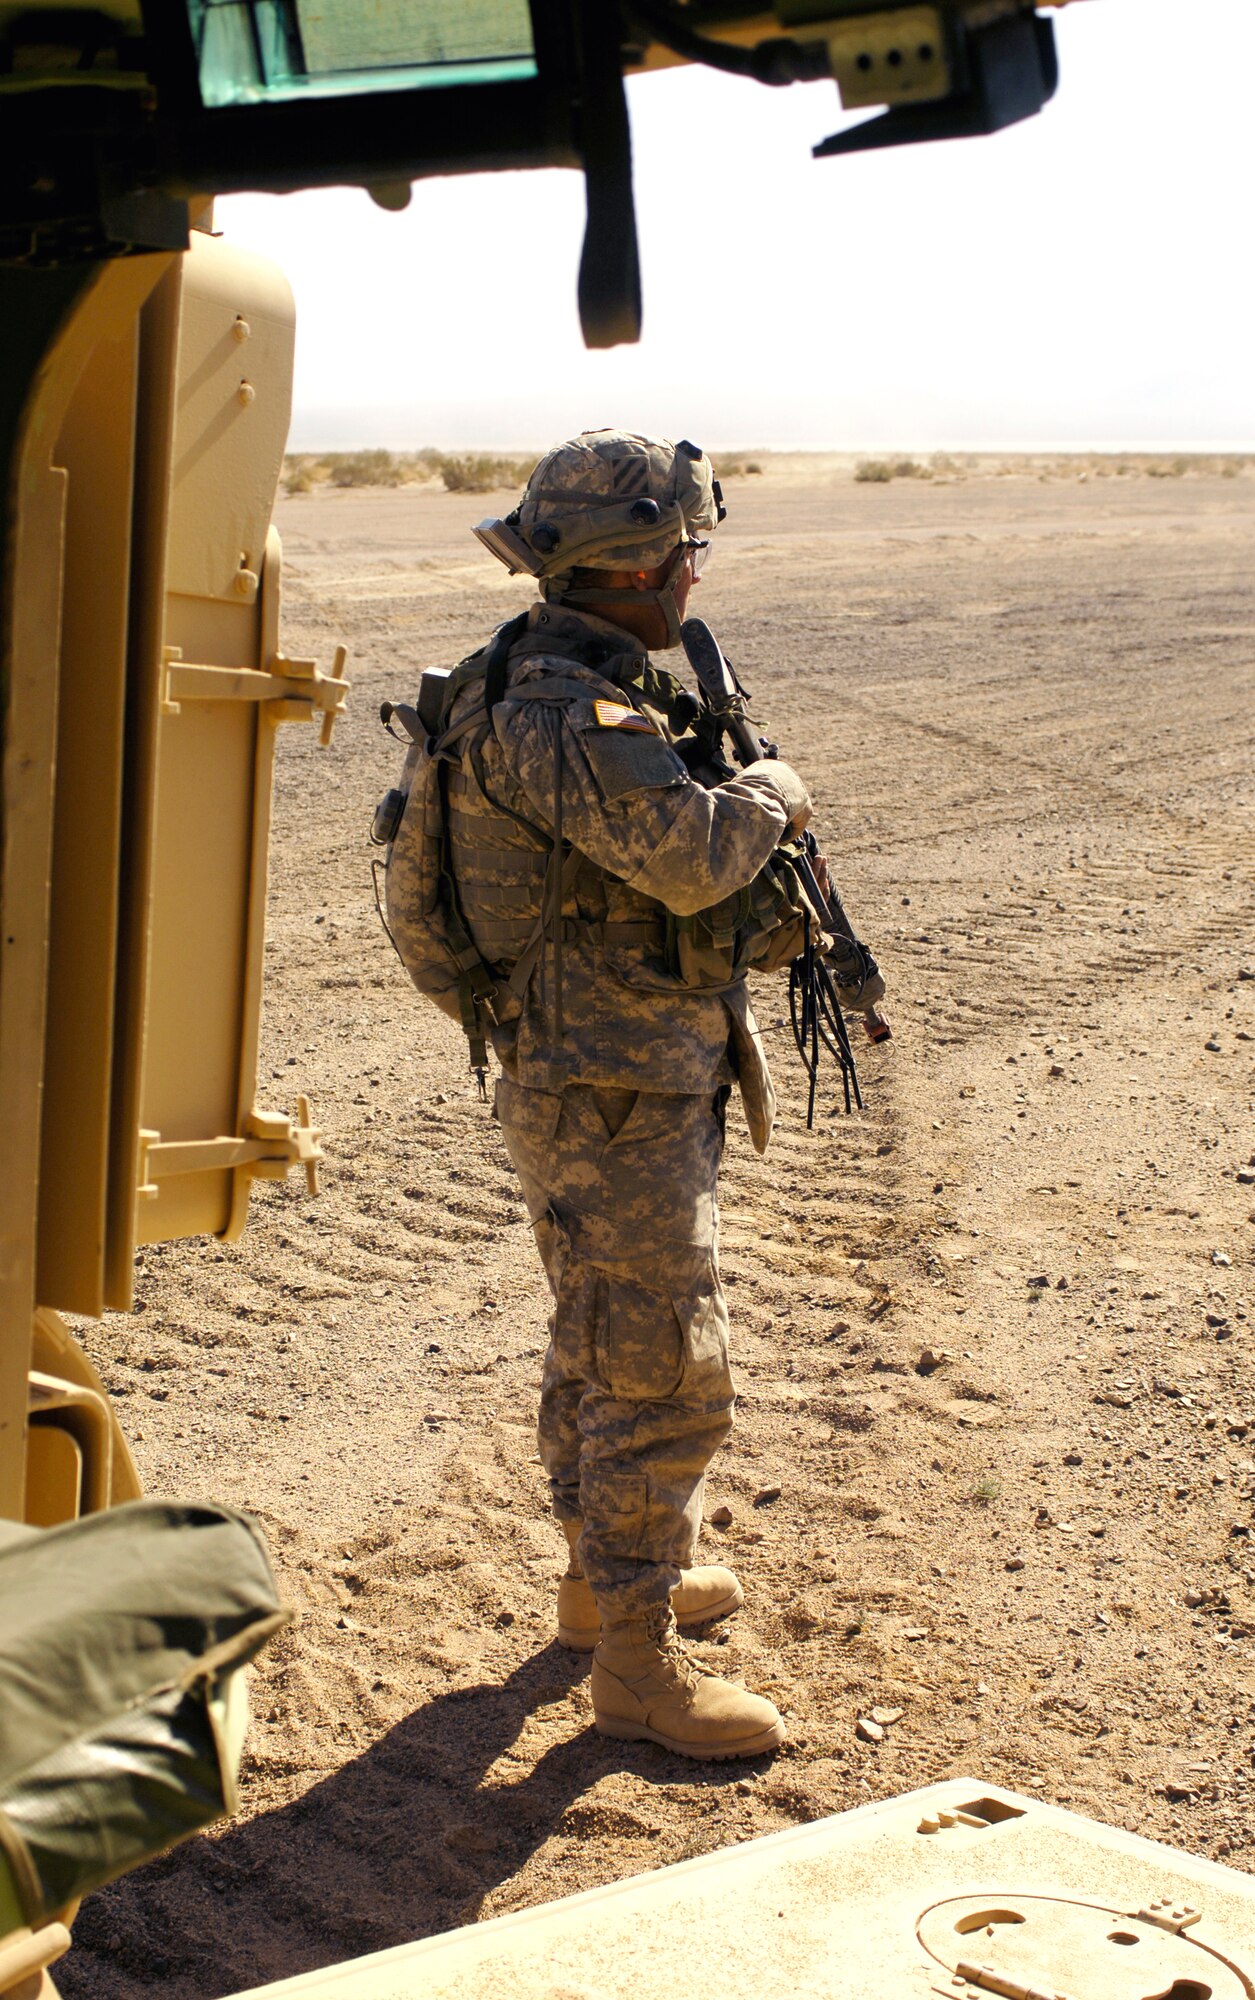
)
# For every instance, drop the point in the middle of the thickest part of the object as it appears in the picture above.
(636, 1396)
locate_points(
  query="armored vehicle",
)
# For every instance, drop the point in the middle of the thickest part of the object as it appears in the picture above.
(145, 388)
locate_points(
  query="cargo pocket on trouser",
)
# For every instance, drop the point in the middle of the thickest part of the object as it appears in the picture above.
(554, 1246)
(648, 1434)
(641, 1351)
(707, 1371)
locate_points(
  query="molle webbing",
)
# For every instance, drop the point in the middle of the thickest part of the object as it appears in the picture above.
(502, 866)
(505, 880)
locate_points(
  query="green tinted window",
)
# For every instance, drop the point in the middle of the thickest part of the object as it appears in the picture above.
(250, 51)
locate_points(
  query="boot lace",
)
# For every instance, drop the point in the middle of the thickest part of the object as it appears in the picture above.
(661, 1628)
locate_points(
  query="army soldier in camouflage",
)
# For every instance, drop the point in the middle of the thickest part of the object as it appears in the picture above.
(584, 854)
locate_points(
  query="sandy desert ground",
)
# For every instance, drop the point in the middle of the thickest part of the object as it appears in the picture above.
(1026, 709)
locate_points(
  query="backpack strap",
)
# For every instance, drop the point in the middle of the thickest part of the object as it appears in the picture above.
(407, 715)
(555, 884)
(497, 660)
(476, 985)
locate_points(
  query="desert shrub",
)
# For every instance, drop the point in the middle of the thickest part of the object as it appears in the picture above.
(301, 475)
(468, 472)
(364, 468)
(736, 468)
(753, 468)
(482, 473)
(873, 472)
(426, 463)
(910, 468)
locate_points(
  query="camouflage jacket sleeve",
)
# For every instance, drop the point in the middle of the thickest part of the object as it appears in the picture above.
(629, 804)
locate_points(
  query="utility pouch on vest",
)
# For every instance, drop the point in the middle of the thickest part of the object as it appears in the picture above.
(758, 929)
(433, 695)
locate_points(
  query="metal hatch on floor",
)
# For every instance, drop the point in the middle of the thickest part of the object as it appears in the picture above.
(959, 1890)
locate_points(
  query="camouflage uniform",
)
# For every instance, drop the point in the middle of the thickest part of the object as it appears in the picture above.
(615, 1123)
(637, 1393)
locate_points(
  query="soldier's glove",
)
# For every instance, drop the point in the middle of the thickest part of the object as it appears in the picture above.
(856, 975)
(790, 789)
(868, 992)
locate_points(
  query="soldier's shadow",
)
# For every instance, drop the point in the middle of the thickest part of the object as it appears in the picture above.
(403, 1841)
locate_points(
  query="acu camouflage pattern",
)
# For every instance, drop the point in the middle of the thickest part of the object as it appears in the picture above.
(584, 492)
(650, 847)
(430, 940)
(637, 1393)
(615, 1127)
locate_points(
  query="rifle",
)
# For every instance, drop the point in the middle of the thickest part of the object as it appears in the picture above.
(814, 1003)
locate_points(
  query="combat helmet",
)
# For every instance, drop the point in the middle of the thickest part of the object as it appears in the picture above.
(609, 500)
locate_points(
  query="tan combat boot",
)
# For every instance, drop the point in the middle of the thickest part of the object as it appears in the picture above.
(702, 1594)
(645, 1686)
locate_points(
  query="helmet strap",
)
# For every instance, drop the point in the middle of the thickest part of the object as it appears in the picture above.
(663, 597)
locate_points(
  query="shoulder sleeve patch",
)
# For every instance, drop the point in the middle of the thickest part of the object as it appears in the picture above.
(614, 715)
(624, 761)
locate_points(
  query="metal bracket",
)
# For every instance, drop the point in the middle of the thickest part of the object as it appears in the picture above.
(84, 1414)
(26, 1955)
(291, 690)
(273, 1143)
(1168, 1916)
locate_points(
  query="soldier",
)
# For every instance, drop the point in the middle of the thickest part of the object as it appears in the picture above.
(587, 861)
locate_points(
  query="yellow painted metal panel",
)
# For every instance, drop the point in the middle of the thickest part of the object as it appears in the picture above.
(54, 1476)
(232, 410)
(55, 1352)
(886, 1902)
(154, 429)
(208, 687)
(215, 754)
(29, 729)
(29, 673)
(96, 448)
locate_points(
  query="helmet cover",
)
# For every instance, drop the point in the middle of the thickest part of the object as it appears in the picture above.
(616, 500)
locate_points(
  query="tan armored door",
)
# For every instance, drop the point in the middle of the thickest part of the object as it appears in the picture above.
(172, 687)
(224, 688)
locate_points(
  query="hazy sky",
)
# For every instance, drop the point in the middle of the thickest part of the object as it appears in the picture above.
(1083, 278)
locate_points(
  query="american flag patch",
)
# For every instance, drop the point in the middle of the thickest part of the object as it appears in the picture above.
(614, 715)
